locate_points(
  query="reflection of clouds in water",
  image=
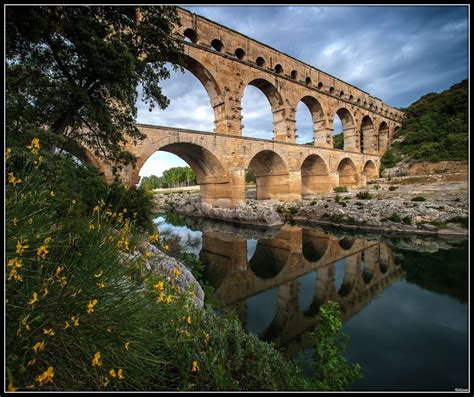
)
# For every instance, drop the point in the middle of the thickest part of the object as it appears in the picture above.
(251, 247)
(260, 310)
(306, 290)
(339, 278)
(191, 239)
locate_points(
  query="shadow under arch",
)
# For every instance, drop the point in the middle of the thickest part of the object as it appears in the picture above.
(271, 173)
(370, 170)
(314, 175)
(382, 143)
(347, 173)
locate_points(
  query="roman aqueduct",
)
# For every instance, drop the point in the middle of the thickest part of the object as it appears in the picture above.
(226, 62)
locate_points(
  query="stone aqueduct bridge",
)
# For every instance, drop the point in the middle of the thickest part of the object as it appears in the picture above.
(226, 62)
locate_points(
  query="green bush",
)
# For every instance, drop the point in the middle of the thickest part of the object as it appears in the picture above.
(365, 195)
(395, 217)
(340, 189)
(392, 188)
(418, 198)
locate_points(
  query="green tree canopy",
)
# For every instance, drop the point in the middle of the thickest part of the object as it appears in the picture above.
(74, 70)
(435, 128)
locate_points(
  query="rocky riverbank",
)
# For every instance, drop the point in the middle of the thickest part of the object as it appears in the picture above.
(422, 205)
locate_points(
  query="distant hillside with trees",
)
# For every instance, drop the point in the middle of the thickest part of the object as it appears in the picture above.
(435, 129)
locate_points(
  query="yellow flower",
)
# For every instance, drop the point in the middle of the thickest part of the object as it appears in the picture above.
(91, 226)
(39, 346)
(12, 179)
(59, 269)
(124, 210)
(45, 292)
(101, 284)
(147, 254)
(98, 274)
(73, 202)
(96, 362)
(15, 263)
(120, 374)
(63, 281)
(34, 299)
(159, 287)
(34, 146)
(188, 320)
(21, 246)
(96, 209)
(169, 299)
(11, 387)
(8, 153)
(66, 325)
(42, 251)
(30, 221)
(46, 376)
(176, 272)
(195, 367)
(90, 306)
(75, 321)
(166, 248)
(112, 373)
(48, 332)
(52, 194)
(154, 238)
(126, 345)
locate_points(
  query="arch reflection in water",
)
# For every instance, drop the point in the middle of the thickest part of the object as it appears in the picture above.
(260, 311)
(306, 290)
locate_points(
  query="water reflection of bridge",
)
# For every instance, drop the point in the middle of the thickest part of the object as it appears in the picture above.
(277, 290)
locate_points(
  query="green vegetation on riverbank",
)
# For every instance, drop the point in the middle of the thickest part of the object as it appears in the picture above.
(83, 313)
(435, 128)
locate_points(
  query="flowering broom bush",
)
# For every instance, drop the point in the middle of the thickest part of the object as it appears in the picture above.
(83, 313)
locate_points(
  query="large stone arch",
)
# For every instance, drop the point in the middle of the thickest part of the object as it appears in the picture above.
(276, 103)
(348, 129)
(382, 144)
(212, 87)
(370, 170)
(314, 175)
(268, 260)
(347, 171)
(322, 137)
(211, 173)
(271, 174)
(367, 135)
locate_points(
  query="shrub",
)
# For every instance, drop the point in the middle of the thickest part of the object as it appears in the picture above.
(418, 198)
(392, 188)
(365, 195)
(340, 189)
(407, 220)
(395, 217)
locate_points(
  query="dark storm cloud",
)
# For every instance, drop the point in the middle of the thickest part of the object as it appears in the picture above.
(396, 54)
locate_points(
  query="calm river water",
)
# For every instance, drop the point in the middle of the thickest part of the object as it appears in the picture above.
(404, 299)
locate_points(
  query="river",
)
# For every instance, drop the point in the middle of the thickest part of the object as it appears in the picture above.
(404, 299)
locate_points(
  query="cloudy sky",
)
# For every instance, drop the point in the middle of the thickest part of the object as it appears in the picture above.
(396, 54)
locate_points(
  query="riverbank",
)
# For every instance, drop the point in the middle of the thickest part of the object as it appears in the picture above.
(429, 205)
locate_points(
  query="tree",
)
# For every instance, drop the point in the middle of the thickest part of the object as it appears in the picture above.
(74, 71)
